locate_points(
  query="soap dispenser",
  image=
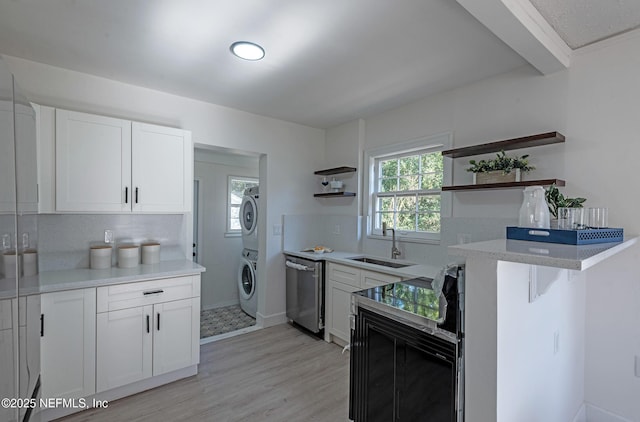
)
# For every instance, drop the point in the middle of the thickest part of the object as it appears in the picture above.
(534, 211)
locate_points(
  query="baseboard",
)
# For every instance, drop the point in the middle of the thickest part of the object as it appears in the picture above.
(597, 414)
(271, 320)
(581, 415)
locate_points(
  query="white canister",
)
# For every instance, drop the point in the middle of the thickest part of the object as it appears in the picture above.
(100, 257)
(128, 256)
(29, 262)
(9, 260)
(151, 253)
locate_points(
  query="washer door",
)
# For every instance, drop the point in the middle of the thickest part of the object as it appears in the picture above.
(248, 215)
(246, 279)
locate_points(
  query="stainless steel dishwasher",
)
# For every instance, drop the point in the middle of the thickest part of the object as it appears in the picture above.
(305, 293)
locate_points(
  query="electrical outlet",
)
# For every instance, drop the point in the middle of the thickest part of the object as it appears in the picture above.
(277, 229)
(556, 342)
(637, 366)
(337, 229)
(108, 236)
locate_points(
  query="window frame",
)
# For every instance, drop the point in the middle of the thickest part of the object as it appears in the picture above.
(433, 143)
(229, 231)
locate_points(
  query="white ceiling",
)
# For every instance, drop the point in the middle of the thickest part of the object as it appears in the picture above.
(327, 62)
(583, 22)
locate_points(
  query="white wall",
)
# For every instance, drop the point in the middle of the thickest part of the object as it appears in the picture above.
(595, 105)
(289, 151)
(219, 254)
(534, 381)
(601, 161)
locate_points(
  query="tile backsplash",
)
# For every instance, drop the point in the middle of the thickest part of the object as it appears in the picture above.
(64, 239)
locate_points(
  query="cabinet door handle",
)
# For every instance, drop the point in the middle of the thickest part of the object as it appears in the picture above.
(148, 329)
(126, 194)
(41, 325)
(136, 195)
(153, 292)
(158, 324)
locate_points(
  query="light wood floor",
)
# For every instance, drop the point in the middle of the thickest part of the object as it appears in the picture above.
(277, 374)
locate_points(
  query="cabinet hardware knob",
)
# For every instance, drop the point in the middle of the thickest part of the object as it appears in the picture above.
(126, 194)
(158, 321)
(41, 325)
(136, 195)
(148, 330)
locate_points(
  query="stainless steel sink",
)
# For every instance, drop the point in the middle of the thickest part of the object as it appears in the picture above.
(375, 261)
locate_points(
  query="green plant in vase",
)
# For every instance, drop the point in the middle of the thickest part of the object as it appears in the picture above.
(556, 200)
(501, 162)
(500, 169)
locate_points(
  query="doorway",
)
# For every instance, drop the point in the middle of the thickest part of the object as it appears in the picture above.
(218, 242)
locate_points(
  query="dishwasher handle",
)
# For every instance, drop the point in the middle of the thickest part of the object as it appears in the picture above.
(298, 267)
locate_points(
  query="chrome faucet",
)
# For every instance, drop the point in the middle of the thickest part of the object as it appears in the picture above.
(395, 252)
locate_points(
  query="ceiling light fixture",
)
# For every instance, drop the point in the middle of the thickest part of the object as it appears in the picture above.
(247, 50)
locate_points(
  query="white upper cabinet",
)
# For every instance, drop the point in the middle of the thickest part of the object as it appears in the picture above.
(104, 164)
(18, 122)
(159, 172)
(93, 162)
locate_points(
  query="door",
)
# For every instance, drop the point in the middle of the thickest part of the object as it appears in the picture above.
(93, 162)
(125, 341)
(26, 151)
(399, 373)
(176, 336)
(248, 215)
(340, 309)
(246, 279)
(68, 343)
(160, 178)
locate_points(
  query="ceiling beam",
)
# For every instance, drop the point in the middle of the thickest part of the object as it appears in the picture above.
(519, 25)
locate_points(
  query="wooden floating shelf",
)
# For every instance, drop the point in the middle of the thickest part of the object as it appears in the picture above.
(485, 186)
(509, 144)
(333, 194)
(337, 170)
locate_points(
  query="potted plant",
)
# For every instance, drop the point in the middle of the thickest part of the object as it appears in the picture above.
(557, 200)
(502, 169)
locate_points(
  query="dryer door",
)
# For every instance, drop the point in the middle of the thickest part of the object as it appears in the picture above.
(246, 279)
(248, 215)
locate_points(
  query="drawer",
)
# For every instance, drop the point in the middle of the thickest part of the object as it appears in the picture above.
(141, 293)
(374, 279)
(344, 274)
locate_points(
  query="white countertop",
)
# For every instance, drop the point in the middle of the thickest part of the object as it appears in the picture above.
(412, 271)
(540, 253)
(53, 281)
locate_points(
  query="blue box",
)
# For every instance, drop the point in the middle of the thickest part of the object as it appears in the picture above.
(567, 237)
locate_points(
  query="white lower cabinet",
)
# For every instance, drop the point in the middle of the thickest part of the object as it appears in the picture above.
(340, 309)
(124, 347)
(68, 343)
(344, 280)
(176, 340)
(152, 328)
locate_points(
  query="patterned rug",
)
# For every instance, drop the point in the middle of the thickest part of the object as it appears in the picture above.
(223, 320)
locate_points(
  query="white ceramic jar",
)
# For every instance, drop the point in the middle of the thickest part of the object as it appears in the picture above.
(128, 256)
(100, 257)
(150, 253)
(29, 262)
(10, 258)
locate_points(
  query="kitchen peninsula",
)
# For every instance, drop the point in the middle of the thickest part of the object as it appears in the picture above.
(525, 328)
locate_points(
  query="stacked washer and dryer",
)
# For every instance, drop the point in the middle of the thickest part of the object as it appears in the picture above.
(247, 276)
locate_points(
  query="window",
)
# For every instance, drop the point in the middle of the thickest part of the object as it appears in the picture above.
(406, 189)
(237, 186)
